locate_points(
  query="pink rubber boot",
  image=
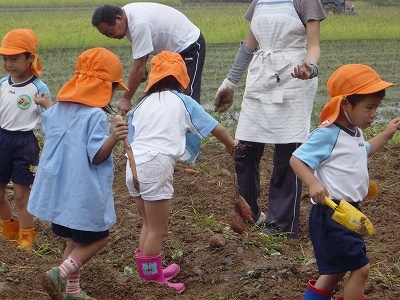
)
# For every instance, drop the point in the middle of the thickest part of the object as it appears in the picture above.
(150, 269)
(169, 272)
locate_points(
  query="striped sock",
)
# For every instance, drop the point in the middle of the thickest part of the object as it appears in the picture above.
(69, 266)
(73, 287)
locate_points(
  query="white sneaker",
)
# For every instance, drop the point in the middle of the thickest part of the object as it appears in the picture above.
(261, 219)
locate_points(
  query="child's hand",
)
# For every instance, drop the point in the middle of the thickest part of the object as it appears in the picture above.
(119, 130)
(43, 100)
(318, 192)
(231, 150)
(392, 127)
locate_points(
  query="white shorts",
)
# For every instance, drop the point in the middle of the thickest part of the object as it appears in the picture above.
(155, 178)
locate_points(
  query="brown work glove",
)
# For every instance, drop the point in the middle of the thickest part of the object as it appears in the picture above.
(224, 96)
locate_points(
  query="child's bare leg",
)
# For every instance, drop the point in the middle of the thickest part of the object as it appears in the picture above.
(21, 197)
(145, 230)
(84, 251)
(328, 282)
(354, 287)
(157, 213)
(5, 206)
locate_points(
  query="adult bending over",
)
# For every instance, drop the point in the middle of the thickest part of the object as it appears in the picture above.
(152, 28)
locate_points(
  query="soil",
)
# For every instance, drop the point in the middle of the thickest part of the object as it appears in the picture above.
(249, 266)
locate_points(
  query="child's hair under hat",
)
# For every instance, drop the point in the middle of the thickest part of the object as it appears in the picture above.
(19, 41)
(349, 80)
(166, 64)
(96, 70)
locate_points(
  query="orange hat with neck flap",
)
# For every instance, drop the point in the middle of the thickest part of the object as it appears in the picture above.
(349, 80)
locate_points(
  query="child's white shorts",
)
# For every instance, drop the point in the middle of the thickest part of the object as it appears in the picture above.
(155, 178)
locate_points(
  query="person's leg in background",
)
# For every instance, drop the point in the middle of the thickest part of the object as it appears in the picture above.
(284, 193)
(194, 57)
(247, 167)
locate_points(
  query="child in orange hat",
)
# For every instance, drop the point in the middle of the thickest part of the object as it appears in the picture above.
(159, 124)
(19, 114)
(73, 185)
(333, 162)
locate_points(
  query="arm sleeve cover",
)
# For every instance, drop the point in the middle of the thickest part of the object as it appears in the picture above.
(242, 61)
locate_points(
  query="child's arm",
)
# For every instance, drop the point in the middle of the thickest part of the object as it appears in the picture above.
(119, 132)
(224, 137)
(378, 141)
(316, 189)
(43, 100)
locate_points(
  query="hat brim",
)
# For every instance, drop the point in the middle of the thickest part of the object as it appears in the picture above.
(121, 86)
(12, 51)
(183, 80)
(89, 91)
(376, 87)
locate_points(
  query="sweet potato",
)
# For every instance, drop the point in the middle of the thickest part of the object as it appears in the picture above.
(217, 241)
(189, 171)
(244, 209)
(237, 224)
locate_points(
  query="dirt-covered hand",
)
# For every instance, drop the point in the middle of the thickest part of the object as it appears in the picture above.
(302, 71)
(224, 96)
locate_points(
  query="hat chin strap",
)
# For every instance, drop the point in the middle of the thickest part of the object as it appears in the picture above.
(347, 117)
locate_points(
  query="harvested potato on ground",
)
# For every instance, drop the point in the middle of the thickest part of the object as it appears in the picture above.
(189, 171)
(244, 209)
(224, 172)
(237, 224)
(217, 241)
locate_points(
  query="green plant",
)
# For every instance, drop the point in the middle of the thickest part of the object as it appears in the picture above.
(46, 248)
(129, 272)
(3, 267)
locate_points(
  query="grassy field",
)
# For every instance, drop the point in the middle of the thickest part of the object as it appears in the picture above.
(372, 37)
(69, 26)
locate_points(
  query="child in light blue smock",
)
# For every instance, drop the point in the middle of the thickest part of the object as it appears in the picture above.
(73, 185)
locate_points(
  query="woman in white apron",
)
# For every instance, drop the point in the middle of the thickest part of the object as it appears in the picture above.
(277, 103)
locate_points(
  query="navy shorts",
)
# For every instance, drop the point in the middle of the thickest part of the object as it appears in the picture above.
(19, 156)
(79, 236)
(337, 249)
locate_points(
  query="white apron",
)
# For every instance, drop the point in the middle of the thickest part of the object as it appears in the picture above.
(276, 107)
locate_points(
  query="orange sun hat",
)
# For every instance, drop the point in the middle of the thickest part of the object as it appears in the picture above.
(349, 80)
(165, 64)
(96, 70)
(18, 41)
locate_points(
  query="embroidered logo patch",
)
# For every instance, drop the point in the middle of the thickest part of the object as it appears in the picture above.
(24, 101)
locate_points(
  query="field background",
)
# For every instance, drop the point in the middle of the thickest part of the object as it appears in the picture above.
(64, 30)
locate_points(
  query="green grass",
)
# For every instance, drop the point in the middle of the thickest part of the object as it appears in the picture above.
(71, 3)
(370, 22)
(67, 24)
